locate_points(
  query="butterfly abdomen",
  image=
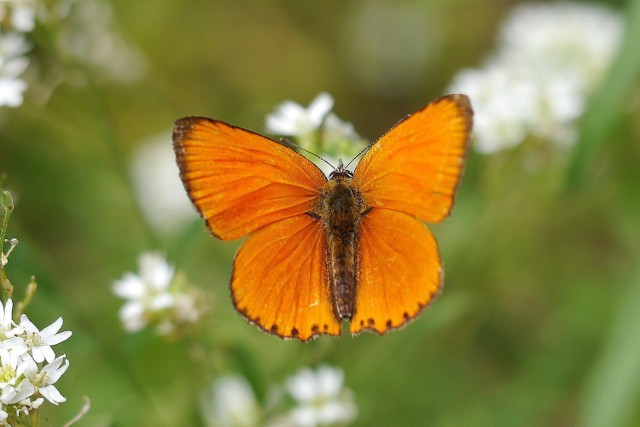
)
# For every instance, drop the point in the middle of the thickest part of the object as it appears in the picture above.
(340, 207)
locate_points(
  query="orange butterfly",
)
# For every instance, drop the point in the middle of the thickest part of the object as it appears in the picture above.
(320, 250)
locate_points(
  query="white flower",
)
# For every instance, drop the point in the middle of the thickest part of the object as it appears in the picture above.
(316, 129)
(146, 293)
(13, 47)
(500, 116)
(321, 398)
(158, 186)
(11, 90)
(335, 129)
(231, 403)
(20, 14)
(43, 380)
(574, 40)
(292, 119)
(13, 385)
(40, 342)
(157, 296)
(549, 62)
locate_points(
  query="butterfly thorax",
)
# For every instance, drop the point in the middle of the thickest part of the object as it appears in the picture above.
(340, 207)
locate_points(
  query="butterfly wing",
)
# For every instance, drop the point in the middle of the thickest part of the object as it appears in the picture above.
(399, 270)
(280, 280)
(241, 181)
(415, 167)
(411, 172)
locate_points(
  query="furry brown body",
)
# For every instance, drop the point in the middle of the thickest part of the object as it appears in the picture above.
(340, 208)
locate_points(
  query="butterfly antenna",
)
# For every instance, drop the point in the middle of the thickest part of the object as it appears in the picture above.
(294, 146)
(358, 155)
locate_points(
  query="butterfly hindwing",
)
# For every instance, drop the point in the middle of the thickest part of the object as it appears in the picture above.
(280, 280)
(399, 270)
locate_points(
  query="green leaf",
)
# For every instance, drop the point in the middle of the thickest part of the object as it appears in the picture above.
(613, 389)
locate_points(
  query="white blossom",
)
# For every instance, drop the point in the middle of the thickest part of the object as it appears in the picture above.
(21, 14)
(231, 403)
(321, 398)
(156, 296)
(316, 129)
(25, 383)
(146, 292)
(538, 82)
(292, 119)
(40, 342)
(334, 129)
(43, 380)
(13, 47)
(13, 386)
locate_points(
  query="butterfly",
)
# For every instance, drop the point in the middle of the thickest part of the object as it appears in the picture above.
(320, 250)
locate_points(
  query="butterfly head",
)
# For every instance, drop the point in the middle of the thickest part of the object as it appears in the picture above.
(341, 171)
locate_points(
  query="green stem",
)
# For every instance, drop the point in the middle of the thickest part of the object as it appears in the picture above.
(7, 205)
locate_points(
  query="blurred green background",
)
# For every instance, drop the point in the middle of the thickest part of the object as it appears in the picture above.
(538, 321)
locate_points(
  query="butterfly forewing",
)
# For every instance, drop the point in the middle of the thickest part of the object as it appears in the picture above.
(415, 167)
(239, 180)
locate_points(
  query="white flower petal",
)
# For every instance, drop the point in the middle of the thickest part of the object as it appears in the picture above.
(155, 270)
(160, 302)
(130, 287)
(291, 119)
(52, 394)
(52, 329)
(57, 338)
(329, 381)
(319, 108)
(302, 386)
(54, 370)
(28, 325)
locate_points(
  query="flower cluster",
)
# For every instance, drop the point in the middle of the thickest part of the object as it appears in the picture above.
(29, 367)
(17, 18)
(82, 30)
(316, 129)
(319, 399)
(550, 59)
(157, 296)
